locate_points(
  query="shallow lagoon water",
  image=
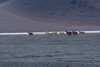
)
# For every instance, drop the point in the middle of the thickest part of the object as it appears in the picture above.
(50, 51)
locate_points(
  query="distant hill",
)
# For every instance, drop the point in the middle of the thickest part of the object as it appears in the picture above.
(12, 23)
(56, 14)
(3, 1)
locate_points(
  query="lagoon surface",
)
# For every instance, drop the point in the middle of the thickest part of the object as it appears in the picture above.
(50, 51)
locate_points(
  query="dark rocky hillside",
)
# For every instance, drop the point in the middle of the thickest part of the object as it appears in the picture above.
(61, 13)
(53, 8)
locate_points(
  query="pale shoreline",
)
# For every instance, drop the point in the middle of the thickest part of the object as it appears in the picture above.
(42, 33)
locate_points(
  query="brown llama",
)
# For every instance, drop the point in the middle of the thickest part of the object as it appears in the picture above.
(74, 32)
(30, 33)
(69, 33)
